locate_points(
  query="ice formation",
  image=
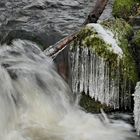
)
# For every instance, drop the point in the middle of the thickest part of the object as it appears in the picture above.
(93, 75)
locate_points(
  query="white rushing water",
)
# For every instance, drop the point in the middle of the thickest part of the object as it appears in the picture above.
(137, 108)
(36, 104)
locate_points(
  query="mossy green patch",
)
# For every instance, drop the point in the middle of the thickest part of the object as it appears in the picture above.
(88, 37)
(90, 105)
(122, 32)
(124, 8)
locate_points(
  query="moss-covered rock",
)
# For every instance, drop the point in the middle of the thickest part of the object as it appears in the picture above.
(90, 38)
(125, 8)
(92, 106)
(122, 32)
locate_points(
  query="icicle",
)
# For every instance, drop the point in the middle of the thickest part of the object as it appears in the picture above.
(81, 72)
(91, 75)
(106, 84)
(75, 57)
(86, 63)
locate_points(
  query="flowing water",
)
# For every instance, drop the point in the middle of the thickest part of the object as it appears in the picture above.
(36, 104)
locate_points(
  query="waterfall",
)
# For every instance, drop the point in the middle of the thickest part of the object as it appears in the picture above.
(94, 74)
(36, 103)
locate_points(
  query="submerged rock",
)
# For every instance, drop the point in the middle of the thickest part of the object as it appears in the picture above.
(92, 106)
(102, 63)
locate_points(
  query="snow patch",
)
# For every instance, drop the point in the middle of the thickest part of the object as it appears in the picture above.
(107, 36)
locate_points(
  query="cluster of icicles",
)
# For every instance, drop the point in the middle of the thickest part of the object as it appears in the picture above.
(36, 103)
(92, 75)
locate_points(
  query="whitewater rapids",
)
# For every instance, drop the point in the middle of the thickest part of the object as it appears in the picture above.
(36, 103)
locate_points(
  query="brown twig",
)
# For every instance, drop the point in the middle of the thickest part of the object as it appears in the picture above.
(53, 50)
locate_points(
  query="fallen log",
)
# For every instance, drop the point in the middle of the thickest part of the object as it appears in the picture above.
(96, 12)
(93, 17)
(55, 49)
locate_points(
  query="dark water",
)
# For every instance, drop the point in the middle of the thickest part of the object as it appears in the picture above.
(43, 21)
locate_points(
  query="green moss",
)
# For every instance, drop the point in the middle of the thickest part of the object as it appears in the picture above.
(91, 40)
(90, 105)
(102, 49)
(124, 8)
(119, 27)
(122, 31)
(88, 37)
(137, 39)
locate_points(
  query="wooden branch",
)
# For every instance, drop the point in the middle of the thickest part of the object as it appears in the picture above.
(94, 15)
(55, 49)
(96, 12)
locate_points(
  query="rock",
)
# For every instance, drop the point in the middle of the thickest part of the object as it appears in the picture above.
(123, 32)
(103, 66)
(92, 106)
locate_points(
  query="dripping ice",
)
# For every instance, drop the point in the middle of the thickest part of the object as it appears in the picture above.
(91, 73)
(36, 104)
